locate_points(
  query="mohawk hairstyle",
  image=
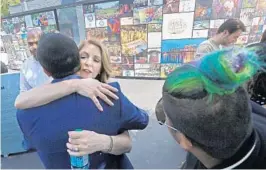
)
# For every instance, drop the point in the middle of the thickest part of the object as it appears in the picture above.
(204, 100)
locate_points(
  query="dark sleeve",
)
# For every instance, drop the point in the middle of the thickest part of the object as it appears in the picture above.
(132, 117)
(257, 109)
(19, 117)
(3, 68)
(191, 162)
(26, 120)
(22, 125)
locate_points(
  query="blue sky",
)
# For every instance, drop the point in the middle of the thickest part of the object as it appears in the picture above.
(107, 5)
(180, 44)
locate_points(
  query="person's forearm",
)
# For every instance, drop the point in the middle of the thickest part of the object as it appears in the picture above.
(121, 143)
(45, 94)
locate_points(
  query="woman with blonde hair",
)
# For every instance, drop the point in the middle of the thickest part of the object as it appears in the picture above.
(95, 64)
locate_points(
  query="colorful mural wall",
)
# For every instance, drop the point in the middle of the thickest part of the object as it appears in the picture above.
(150, 38)
(15, 35)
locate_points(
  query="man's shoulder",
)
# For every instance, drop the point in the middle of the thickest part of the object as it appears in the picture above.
(29, 60)
(204, 48)
(29, 115)
(205, 44)
(115, 84)
(27, 64)
(68, 103)
(71, 101)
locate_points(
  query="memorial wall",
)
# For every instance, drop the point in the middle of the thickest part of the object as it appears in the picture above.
(145, 38)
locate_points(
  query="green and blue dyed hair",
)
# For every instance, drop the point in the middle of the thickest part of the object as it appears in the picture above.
(219, 127)
(220, 72)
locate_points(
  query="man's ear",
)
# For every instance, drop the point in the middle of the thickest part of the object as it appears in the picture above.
(226, 33)
(47, 73)
(184, 142)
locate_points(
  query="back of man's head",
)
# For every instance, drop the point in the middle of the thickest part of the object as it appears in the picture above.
(204, 100)
(232, 25)
(58, 55)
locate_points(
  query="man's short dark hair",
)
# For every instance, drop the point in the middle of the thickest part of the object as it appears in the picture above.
(58, 54)
(232, 25)
(218, 125)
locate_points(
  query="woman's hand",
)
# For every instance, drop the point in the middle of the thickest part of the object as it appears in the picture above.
(92, 88)
(86, 142)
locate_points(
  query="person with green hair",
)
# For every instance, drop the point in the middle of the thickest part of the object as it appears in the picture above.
(208, 112)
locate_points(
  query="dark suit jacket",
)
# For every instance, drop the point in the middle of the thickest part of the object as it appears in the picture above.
(46, 126)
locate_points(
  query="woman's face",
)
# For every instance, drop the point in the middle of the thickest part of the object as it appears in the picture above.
(90, 61)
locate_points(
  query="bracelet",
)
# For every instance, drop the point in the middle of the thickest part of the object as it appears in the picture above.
(111, 145)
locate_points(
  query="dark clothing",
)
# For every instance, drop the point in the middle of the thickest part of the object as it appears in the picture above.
(4, 68)
(259, 89)
(46, 127)
(257, 158)
(257, 109)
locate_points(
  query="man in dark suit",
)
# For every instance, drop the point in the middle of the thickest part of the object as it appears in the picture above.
(47, 126)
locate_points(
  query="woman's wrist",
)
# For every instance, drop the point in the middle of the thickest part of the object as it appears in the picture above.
(107, 143)
(73, 85)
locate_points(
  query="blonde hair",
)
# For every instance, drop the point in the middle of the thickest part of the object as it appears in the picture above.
(106, 69)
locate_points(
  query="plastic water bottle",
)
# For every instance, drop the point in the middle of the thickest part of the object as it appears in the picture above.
(79, 162)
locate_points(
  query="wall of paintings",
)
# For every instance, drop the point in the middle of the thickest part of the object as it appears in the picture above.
(150, 38)
(14, 36)
(144, 38)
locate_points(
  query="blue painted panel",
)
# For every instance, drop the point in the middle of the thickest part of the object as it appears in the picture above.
(11, 135)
